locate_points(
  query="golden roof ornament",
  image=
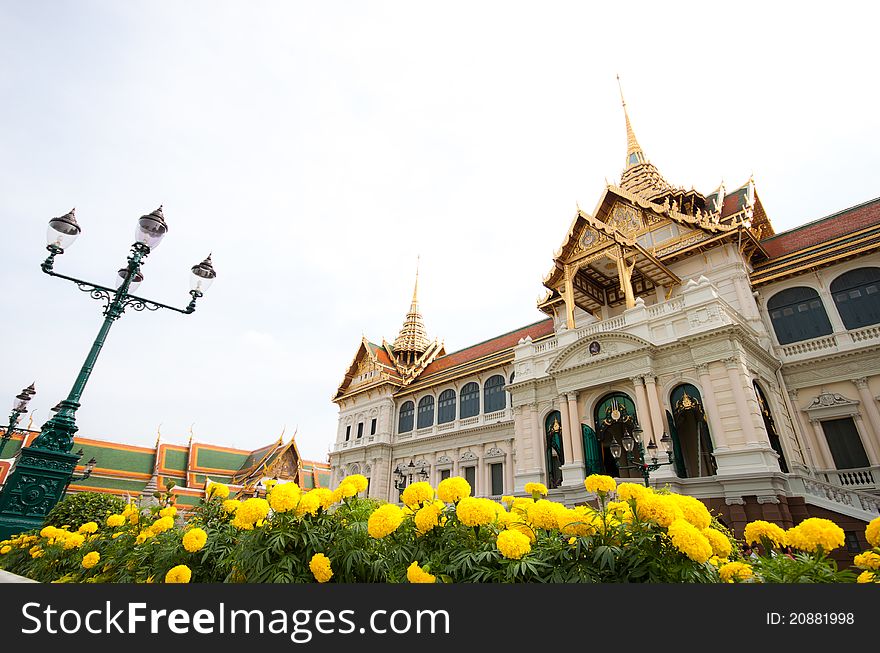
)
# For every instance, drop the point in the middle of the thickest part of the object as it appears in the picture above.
(413, 337)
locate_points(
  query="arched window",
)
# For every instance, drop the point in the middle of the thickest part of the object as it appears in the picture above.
(405, 420)
(857, 296)
(426, 412)
(553, 449)
(615, 418)
(446, 407)
(691, 441)
(493, 394)
(770, 425)
(470, 400)
(798, 314)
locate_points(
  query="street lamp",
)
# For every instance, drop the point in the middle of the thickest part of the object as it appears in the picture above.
(19, 408)
(404, 474)
(629, 443)
(43, 470)
(90, 467)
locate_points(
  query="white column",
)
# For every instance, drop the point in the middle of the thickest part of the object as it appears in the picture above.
(734, 373)
(643, 411)
(508, 469)
(654, 405)
(455, 467)
(719, 437)
(538, 436)
(822, 442)
(872, 435)
(864, 434)
(577, 442)
(566, 429)
(484, 473)
(807, 437)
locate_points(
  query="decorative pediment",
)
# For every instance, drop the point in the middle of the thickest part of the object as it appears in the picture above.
(596, 349)
(495, 452)
(366, 369)
(444, 460)
(466, 456)
(831, 404)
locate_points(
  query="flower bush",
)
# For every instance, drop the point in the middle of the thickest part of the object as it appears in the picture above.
(635, 534)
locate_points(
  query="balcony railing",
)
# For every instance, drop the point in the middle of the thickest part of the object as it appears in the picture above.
(837, 342)
(859, 478)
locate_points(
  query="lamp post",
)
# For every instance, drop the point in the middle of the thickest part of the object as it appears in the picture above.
(19, 408)
(404, 474)
(644, 467)
(43, 470)
(90, 467)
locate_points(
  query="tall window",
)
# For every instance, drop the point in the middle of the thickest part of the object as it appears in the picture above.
(426, 412)
(798, 314)
(360, 429)
(493, 394)
(444, 474)
(348, 433)
(446, 407)
(845, 443)
(405, 420)
(470, 400)
(857, 296)
(470, 475)
(497, 472)
(373, 427)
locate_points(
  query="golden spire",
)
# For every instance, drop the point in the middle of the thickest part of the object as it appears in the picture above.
(412, 341)
(634, 154)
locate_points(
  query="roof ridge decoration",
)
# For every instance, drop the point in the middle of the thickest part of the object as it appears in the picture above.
(413, 337)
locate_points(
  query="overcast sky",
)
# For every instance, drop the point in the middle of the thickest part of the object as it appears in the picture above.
(316, 148)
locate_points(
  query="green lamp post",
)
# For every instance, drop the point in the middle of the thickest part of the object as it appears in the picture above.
(43, 470)
(644, 467)
(19, 408)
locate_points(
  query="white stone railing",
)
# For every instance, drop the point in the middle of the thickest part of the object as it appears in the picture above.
(859, 478)
(839, 495)
(504, 415)
(612, 324)
(809, 346)
(666, 308)
(547, 345)
(866, 333)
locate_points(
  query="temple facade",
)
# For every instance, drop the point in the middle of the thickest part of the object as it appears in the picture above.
(680, 332)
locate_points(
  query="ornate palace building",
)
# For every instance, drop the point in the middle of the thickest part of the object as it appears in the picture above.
(131, 471)
(677, 318)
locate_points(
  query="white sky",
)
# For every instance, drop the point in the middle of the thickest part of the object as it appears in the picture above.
(317, 147)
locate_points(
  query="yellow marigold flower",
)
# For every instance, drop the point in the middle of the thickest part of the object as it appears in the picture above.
(231, 505)
(88, 528)
(284, 497)
(359, 481)
(170, 511)
(734, 571)
(115, 535)
(476, 512)
(600, 484)
(658, 508)
(813, 533)
(417, 494)
(36, 551)
(428, 517)
(537, 490)
(507, 499)
(309, 504)
(134, 518)
(194, 539)
(251, 511)
(512, 544)
(5, 549)
(49, 531)
(690, 541)
(91, 559)
(621, 511)
(543, 514)
(572, 540)
(324, 496)
(114, 521)
(721, 546)
(178, 574)
(872, 532)
(453, 489)
(627, 491)
(867, 577)
(415, 574)
(218, 490)
(345, 490)
(320, 566)
(694, 510)
(270, 483)
(384, 520)
(579, 521)
(867, 560)
(162, 524)
(755, 530)
(74, 541)
(143, 536)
